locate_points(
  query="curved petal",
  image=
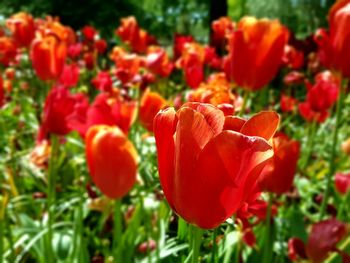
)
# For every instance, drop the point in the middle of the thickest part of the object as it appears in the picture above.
(234, 123)
(264, 124)
(164, 125)
(215, 187)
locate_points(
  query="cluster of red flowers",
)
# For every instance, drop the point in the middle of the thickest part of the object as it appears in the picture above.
(212, 164)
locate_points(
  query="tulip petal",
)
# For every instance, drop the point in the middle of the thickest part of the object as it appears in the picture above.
(264, 124)
(214, 190)
(234, 123)
(164, 126)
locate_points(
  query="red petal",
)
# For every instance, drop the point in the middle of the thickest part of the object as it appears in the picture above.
(234, 123)
(213, 190)
(264, 124)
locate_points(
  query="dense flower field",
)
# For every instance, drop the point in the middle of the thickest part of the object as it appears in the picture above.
(127, 150)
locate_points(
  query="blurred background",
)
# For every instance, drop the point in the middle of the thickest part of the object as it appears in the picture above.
(163, 17)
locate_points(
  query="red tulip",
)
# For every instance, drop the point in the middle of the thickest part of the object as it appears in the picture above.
(89, 32)
(151, 103)
(296, 249)
(59, 105)
(101, 46)
(8, 51)
(310, 115)
(278, 175)
(70, 75)
(136, 37)
(22, 27)
(287, 103)
(323, 239)
(157, 61)
(342, 183)
(293, 58)
(103, 82)
(105, 110)
(179, 44)
(192, 63)
(206, 172)
(333, 46)
(255, 52)
(221, 27)
(48, 55)
(324, 93)
(112, 160)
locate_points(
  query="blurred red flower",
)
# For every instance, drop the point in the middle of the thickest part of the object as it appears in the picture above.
(48, 55)
(333, 45)
(59, 105)
(323, 239)
(158, 61)
(136, 37)
(151, 103)
(342, 183)
(277, 176)
(8, 50)
(70, 75)
(112, 160)
(255, 52)
(199, 177)
(22, 27)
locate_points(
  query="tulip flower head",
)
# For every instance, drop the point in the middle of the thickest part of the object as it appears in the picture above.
(112, 160)
(22, 27)
(208, 163)
(255, 48)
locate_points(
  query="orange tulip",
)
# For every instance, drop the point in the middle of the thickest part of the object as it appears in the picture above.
(334, 46)
(151, 103)
(22, 27)
(48, 55)
(255, 52)
(207, 172)
(112, 160)
(278, 175)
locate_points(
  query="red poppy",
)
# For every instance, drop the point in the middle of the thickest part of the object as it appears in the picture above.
(22, 27)
(342, 183)
(277, 177)
(48, 55)
(206, 172)
(151, 103)
(112, 160)
(255, 52)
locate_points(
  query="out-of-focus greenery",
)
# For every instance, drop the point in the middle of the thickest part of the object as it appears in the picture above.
(163, 17)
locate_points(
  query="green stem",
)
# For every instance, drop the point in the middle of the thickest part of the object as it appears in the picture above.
(78, 235)
(332, 166)
(117, 233)
(51, 194)
(214, 248)
(2, 222)
(268, 242)
(310, 142)
(196, 242)
(245, 100)
(343, 206)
